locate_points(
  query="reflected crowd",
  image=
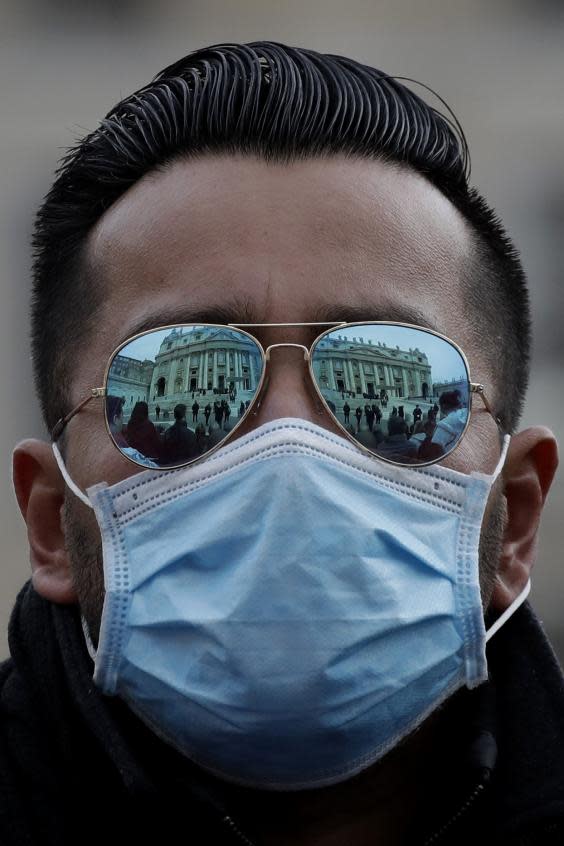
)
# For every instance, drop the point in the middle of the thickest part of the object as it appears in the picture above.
(167, 441)
(174, 393)
(406, 433)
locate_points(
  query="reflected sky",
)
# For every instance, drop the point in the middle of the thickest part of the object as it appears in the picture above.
(148, 346)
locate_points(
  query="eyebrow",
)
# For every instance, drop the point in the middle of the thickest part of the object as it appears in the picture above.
(394, 312)
(239, 312)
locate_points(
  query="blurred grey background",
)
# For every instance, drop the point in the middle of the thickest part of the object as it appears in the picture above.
(500, 66)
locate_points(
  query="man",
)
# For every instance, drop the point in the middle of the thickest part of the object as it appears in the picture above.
(226, 413)
(218, 412)
(179, 442)
(358, 415)
(273, 185)
(452, 421)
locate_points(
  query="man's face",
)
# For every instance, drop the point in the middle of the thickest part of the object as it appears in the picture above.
(268, 243)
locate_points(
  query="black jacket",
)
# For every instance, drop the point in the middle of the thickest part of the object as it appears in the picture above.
(77, 767)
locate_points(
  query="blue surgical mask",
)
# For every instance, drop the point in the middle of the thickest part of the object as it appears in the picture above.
(286, 611)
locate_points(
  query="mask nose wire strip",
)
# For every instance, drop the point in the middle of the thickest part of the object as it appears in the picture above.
(73, 487)
(82, 496)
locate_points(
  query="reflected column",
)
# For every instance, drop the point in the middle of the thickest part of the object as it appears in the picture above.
(405, 381)
(201, 370)
(332, 383)
(362, 379)
(187, 379)
(376, 378)
(388, 377)
(350, 371)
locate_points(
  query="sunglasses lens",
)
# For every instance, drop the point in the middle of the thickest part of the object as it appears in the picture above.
(174, 394)
(403, 393)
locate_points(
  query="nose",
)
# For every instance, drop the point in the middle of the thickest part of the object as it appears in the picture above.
(288, 391)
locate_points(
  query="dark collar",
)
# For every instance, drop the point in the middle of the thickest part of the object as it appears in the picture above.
(50, 657)
(528, 786)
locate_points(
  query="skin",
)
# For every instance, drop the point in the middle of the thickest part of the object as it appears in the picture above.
(284, 241)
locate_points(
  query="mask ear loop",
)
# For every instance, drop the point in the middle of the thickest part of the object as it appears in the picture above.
(70, 484)
(502, 457)
(519, 600)
(87, 639)
(77, 492)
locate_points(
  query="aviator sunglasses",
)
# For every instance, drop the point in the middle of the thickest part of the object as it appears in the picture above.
(175, 394)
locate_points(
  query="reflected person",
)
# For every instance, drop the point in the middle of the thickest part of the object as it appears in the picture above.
(179, 442)
(141, 434)
(114, 406)
(452, 420)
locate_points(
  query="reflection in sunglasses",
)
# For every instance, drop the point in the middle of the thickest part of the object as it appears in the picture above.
(174, 394)
(399, 391)
(180, 391)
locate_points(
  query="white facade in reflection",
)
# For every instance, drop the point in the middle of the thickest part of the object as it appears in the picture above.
(344, 365)
(187, 362)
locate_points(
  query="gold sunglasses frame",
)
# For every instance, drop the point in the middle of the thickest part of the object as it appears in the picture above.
(254, 405)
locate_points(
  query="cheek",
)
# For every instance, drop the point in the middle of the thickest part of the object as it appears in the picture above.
(480, 448)
(491, 539)
(92, 457)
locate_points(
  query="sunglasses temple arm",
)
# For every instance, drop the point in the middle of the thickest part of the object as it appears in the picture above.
(62, 422)
(479, 389)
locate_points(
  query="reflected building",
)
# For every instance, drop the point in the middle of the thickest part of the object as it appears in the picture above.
(130, 378)
(344, 364)
(188, 362)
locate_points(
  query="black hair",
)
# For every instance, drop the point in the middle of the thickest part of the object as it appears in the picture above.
(114, 407)
(139, 414)
(179, 411)
(450, 399)
(396, 425)
(281, 104)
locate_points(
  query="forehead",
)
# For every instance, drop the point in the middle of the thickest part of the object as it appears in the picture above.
(333, 238)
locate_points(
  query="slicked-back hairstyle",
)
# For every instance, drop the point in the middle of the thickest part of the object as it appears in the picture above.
(281, 104)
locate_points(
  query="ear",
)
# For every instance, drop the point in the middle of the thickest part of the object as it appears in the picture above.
(529, 469)
(40, 492)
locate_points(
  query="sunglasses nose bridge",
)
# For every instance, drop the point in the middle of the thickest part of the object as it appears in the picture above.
(291, 390)
(299, 346)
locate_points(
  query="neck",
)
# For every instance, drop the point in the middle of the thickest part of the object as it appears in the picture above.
(380, 805)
